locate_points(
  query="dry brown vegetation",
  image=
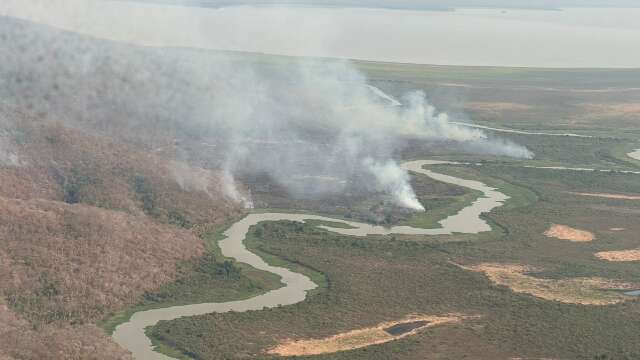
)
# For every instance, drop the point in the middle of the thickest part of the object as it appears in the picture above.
(584, 291)
(610, 196)
(564, 232)
(615, 108)
(360, 338)
(87, 226)
(496, 107)
(75, 262)
(72, 166)
(620, 255)
(65, 266)
(20, 340)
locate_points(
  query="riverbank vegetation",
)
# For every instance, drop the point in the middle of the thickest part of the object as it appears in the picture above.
(208, 278)
(372, 281)
(379, 278)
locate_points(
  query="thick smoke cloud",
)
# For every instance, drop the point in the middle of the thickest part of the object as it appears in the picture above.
(322, 119)
(315, 127)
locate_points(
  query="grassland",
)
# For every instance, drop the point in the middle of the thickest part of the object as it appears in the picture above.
(372, 281)
(383, 278)
(585, 291)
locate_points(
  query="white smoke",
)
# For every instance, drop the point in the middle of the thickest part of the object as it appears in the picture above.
(8, 158)
(395, 181)
(499, 147)
(230, 189)
(290, 119)
(426, 121)
(321, 118)
(191, 178)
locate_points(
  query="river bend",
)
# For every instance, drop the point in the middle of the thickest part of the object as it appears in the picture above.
(131, 334)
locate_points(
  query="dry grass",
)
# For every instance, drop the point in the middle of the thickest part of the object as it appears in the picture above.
(583, 291)
(610, 196)
(105, 171)
(360, 338)
(564, 232)
(496, 107)
(620, 255)
(614, 108)
(97, 260)
(19, 340)
(64, 266)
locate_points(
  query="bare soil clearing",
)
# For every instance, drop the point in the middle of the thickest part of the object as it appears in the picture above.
(583, 291)
(620, 255)
(564, 232)
(360, 338)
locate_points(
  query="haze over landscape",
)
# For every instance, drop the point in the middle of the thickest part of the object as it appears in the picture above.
(319, 179)
(419, 4)
(574, 37)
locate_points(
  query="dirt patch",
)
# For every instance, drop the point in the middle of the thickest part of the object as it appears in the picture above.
(620, 255)
(564, 232)
(360, 338)
(496, 107)
(583, 291)
(610, 196)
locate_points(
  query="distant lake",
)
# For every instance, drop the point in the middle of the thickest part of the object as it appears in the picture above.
(576, 37)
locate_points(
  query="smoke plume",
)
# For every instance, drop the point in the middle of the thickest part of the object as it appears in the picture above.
(314, 127)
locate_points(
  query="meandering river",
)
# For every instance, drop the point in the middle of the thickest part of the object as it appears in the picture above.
(131, 335)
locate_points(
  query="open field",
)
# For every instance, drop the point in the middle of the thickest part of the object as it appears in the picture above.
(584, 291)
(373, 281)
(620, 255)
(582, 100)
(564, 232)
(360, 338)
